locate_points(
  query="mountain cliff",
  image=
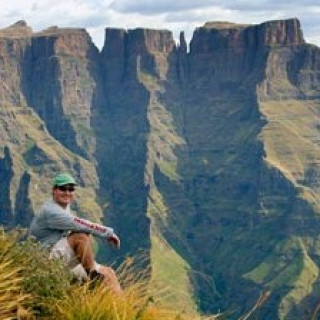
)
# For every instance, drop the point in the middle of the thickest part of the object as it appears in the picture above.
(206, 161)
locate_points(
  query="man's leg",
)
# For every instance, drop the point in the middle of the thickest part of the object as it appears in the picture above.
(81, 245)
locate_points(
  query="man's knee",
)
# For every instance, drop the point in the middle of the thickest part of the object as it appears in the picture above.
(78, 238)
(110, 279)
(107, 271)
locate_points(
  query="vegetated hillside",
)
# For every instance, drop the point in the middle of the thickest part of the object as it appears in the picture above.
(207, 160)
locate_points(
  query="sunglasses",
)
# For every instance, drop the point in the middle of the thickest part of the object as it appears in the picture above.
(66, 188)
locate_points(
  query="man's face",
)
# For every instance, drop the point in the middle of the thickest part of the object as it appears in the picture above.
(63, 195)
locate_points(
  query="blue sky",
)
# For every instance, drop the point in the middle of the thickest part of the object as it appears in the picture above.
(174, 15)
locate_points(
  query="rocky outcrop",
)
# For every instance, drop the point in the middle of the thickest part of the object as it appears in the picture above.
(18, 30)
(23, 210)
(6, 210)
(206, 161)
(129, 58)
(63, 85)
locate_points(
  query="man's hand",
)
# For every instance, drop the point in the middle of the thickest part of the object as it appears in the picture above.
(114, 239)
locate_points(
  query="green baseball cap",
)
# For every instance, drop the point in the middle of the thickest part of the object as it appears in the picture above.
(62, 179)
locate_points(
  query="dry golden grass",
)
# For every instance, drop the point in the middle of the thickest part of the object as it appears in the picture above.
(12, 299)
(101, 304)
(136, 302)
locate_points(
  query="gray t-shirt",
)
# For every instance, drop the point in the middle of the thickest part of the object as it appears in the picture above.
(53, 222)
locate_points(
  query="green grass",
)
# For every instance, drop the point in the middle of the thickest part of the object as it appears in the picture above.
(169, 169)
(288, 266)
(148, 80)
(171, 275)
(30, 143)
(291, 141)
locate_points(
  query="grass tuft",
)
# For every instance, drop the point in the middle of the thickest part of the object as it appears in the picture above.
(13, 301)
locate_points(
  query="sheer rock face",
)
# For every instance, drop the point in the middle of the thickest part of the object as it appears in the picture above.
(46, 93)
(64, 85)
(208, 157)
(129, 59)
(229, 35)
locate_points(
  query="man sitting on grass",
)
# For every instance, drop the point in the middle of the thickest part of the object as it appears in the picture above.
(68, 236)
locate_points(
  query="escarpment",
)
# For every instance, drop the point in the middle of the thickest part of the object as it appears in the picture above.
(205, 160)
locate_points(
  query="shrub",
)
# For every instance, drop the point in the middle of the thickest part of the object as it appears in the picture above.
(47, 280)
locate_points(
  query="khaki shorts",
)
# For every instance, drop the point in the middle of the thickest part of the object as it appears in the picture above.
(62, 250)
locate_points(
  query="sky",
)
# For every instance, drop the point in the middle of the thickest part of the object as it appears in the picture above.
(174, 15)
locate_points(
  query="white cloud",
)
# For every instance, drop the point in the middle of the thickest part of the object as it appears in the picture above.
(155, 7)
